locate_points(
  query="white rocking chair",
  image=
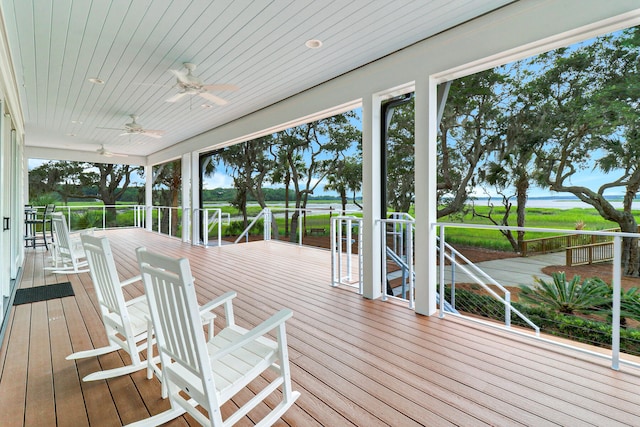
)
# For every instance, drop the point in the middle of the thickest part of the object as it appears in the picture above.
(209, 373)
(126, 323)
(68, 255)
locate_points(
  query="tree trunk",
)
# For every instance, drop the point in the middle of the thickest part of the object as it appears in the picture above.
(522, 188)
(629, 247)
(286, 205)
(174, 209)
(293, 237)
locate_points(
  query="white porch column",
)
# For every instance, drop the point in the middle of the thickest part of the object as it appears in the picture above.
(148, 196)
(185, 170)
(425, 196)
(195, 197)
(25, 177)
(372, 268)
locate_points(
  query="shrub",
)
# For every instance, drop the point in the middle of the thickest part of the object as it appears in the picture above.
(568, 297)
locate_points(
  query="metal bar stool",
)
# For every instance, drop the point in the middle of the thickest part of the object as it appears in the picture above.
(33, 222)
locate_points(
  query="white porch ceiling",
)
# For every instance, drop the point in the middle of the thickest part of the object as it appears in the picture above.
(258, 45)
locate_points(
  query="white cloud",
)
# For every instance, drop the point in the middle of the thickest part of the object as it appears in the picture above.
(218, 180)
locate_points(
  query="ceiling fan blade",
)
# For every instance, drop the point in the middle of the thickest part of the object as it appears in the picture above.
(152, 133)
(215, 99)
(180, 75)
(230, 88)
(176, 97)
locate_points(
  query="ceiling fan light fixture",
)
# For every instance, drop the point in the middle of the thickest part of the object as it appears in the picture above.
(96, 81)
(313, 44)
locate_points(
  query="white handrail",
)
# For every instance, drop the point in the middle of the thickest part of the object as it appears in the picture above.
(266, 213)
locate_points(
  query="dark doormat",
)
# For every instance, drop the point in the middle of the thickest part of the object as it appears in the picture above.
(43, 293)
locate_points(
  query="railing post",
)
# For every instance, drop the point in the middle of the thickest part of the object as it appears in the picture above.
(267, 224)
(348, 247)
(205, 235)
(615, 311)
(332, 246)
(409, 253)
(507, 309)
(300, 233)
(104, 217)
(69, 217)
(383, 239)
(453, 280)
(219, 212)
(442, 249)
(360, 258)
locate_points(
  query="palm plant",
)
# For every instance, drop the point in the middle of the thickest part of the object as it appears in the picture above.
(568, 296)
(630, 304)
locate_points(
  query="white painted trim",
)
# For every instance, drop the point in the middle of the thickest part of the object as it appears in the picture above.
(32, 152)
(475, 45)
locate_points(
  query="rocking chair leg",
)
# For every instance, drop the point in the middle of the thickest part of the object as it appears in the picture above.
(116, 372)
(93, 352)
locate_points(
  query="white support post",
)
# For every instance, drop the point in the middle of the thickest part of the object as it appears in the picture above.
(425, 194)
(195, 198)
(371, 195)
(148, 197)
(615, 310)
(185, 165)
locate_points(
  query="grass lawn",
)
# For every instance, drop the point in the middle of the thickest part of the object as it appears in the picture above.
(568, 219)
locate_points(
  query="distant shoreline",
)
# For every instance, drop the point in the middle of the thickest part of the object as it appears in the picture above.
(559, 203)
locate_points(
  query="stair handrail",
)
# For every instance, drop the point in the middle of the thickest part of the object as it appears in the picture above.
(266, 213)
(448, 307)
(509, 308)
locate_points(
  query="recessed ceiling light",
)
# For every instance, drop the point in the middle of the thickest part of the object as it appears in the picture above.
(313, 44)
(206, 106)
(96, 81)
(70, 134)
(77, 122)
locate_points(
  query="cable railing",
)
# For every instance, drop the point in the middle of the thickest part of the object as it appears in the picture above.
(480, 277)
(599, 327)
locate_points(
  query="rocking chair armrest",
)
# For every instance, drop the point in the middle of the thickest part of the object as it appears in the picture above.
(131, 280)
(222, 299)
(76, 234)
(271, 323)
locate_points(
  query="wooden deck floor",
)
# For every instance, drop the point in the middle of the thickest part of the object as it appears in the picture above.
(355, 361)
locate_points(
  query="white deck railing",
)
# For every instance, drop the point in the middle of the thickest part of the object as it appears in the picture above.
(616, 282)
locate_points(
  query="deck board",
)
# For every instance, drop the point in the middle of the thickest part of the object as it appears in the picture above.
(356, 361)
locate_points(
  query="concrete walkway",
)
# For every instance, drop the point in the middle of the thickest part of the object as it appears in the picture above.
(511, 271)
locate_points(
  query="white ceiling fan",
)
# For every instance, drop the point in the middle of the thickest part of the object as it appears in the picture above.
(188, 84)
(106, 153)
(133, 128)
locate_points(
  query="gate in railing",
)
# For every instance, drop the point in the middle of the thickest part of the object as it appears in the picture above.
(345, 231)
